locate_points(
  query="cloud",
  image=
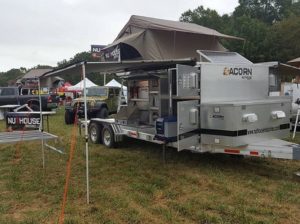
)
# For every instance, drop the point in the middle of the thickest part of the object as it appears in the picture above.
(45, 32)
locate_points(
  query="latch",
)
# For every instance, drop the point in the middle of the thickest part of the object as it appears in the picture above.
(278, 114)
(194, 114)
(251, 117)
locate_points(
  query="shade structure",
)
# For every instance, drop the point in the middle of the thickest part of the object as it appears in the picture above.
(120, 66)
(283, 69)
(79, 86)
(115, 83)
(157, 39)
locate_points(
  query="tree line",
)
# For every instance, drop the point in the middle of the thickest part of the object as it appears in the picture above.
(271, 28)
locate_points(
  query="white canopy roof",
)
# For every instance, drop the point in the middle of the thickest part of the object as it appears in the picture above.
(115, 83)
(79, 86)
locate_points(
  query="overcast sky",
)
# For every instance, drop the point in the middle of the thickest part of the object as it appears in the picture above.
(44, 32)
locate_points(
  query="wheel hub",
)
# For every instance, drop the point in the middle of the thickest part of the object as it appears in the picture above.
(93, 134)
(106, 137)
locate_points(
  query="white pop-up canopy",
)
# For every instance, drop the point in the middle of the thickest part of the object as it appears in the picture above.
(79, 86)
(115, 83)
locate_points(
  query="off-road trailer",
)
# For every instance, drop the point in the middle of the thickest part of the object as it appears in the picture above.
(219, 105)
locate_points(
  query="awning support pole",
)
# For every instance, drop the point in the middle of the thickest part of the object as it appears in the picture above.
(86, 137)
(41, 122)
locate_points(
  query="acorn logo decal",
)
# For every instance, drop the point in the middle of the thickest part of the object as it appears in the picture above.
(226, 71)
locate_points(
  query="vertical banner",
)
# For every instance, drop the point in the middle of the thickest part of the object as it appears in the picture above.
(96, 49)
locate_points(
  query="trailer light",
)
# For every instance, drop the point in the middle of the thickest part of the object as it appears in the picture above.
(251, 118)
(254, 153)
(232, 151)
(278, 114)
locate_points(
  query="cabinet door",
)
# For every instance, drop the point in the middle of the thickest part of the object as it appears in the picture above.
(187, 81)
(188, 124)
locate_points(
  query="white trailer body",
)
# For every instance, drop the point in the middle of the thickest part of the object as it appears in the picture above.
(221, 105)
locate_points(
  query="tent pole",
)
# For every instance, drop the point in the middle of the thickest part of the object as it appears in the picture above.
(86, 137)
(41, 121)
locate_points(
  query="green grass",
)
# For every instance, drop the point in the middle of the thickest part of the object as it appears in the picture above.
(131, 184)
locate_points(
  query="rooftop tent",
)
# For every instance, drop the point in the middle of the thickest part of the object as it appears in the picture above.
(79, 86)
(157, 39)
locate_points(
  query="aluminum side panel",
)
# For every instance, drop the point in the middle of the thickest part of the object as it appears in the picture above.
(227, 128)
(187, 132)
(225, 82)
(186, 77)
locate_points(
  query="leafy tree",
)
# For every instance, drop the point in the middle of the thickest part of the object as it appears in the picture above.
(205, 17)
(268, 11)
(283, 40)
(254, 32)
(9, 77)
(41, 67)
(82, 56)
(270, 28)
(94, 77)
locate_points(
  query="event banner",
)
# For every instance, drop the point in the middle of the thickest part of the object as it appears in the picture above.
(96, 49)
(22, 121)
(111, 54)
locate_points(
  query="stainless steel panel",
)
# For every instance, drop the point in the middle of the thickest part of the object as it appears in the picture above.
(187, 81)
(187, 137)
(228, 117)
(229, 82)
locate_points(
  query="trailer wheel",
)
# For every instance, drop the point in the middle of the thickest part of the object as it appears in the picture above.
(94, 133)
(108, 137)
(69, 117)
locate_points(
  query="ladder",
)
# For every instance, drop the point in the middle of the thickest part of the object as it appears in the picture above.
(122, 98)
(296, 122)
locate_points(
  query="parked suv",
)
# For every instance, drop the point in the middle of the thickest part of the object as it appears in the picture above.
(101, 101)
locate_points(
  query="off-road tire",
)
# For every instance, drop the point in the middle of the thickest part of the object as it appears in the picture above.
(103, 113)
(108, 138)
(69, 117)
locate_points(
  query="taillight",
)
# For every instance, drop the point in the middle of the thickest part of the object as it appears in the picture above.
(49, 99)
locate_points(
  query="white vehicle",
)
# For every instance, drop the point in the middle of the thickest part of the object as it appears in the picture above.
(218, 105)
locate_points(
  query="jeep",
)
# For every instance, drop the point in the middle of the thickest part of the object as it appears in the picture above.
(101, 101)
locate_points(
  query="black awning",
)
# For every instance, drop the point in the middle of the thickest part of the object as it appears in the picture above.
(116, 67)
